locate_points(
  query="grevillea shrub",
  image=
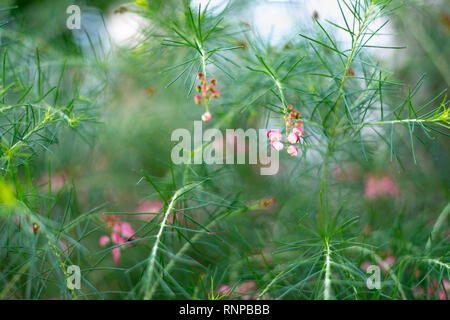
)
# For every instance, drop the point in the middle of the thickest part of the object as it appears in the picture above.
(87, 178)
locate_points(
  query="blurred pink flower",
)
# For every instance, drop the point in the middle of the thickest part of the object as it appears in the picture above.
(380, 186)
(277, 145)
(116, 255)
(121, 232)
(224, 289)
(104, 240)
(274, 135)
(248, 289)
(292, 150)
(149, 207)
(365, 265)
(57, 180)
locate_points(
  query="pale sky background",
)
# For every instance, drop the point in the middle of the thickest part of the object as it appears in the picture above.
(276, 19)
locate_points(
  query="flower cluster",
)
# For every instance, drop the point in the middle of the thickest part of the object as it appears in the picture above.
(207, 92)
(247, 290)
(121, 232)
(294, 131)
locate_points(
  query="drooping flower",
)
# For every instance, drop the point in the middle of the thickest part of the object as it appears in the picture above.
(299, 123)
(121, 233)
(116, 255)
(224, 289)
(298, 131)
(292, 150)
(277, 145)
(274, 135)
(127, 230)
(104, 240)
(293, 137)
(380, 186)
(198, 99)
(206, 117)
(215, 94)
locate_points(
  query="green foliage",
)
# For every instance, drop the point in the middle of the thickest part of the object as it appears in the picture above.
(218, 225)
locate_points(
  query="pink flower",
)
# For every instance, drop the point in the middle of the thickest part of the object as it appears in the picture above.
(57, 181)
(198, 99)
(390, 260)
(299, 123)
(224, 289)
(365, 265)
(116, 228)
(274, 135)
(215, 94)
(247, 288)
(380, 186)
(115, 237)
(127, 230)
(206, 117)
(277, 145)
(294, 114)
(292, 150)
(293, 137)
(116, 255)
(298, 130)
(104, 240)
(148, 208)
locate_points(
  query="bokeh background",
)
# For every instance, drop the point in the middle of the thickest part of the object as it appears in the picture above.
(123, 69)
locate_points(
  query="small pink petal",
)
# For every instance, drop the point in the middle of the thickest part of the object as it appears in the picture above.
(298, 131)
(365, 265)
(116, 228)
(127, 230)
(115, 237)
(274, 135)
(116, 255)
(292, 150)
(206, 117)
(293, 137)
(277, 145)
(103, 241)
(224, 289)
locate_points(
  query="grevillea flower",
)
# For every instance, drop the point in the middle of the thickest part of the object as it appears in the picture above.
(198, 99)
(365, 265)
(127, 230)
(206, 117)
(292, 134)
(298, 131)
(380, 186)
(215, 94)
(121, 232)
(292, 150)
(224, 289)
(274, 135)
(299, 123)
(293, 137)
(116, 255)
(208, 92)
(277, 145)
(104, 240)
